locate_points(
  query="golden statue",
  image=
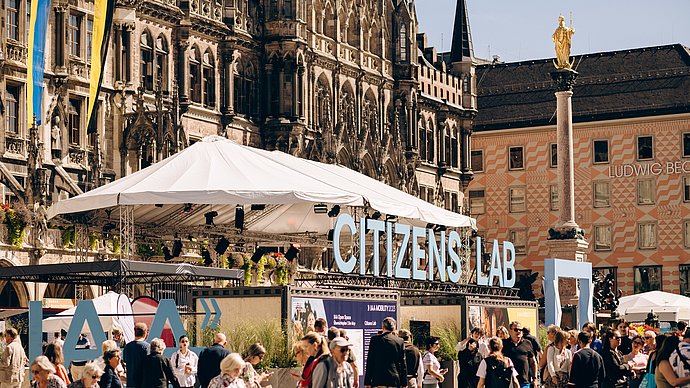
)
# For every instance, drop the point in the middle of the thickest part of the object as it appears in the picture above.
(561, 38)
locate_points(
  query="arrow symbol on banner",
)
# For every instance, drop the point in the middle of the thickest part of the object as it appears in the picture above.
(216, 318)
(207, 313)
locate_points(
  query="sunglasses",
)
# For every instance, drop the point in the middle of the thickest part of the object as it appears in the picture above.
(344, 349)
(36, 371)
(515, 329)
(95, 377)
(648, 337)
(638, 343)
(617, 337)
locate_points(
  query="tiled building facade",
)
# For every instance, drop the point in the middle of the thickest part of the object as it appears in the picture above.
(339, 81)
(631, 137)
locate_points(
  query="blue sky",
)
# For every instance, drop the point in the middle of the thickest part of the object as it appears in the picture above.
(521, 29)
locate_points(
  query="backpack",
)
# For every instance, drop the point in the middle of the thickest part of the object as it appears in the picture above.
(498, 375)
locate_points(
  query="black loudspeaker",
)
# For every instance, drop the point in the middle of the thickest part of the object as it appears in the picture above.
(177, 248)
(222, 245)
(257, 254)
(239, 217)
(292, 252)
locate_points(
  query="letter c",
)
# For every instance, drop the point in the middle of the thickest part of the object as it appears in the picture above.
(343, 220)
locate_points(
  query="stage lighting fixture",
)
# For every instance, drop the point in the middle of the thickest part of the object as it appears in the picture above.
(320, 208)
(239, 217)
(222, 245)
(256, 206)
(376, 215)
(108, 227)
(391, 218)
(210, 216)
(292, 252)
(206, 255)
(166, 254)
(257, 254)
(177, 248)
(335, 210)
(330, 234)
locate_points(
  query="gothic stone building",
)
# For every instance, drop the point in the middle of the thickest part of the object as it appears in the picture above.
(339, 81)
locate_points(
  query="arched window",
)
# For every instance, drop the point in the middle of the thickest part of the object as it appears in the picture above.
(422, 141)
(287, 8)
(403, 43)
(146, 58)
(195, 75)
(251, 91)
(209, 80)
(273, 10)
(446, 138)
(353, 31)
(162, 53)
(330, 20)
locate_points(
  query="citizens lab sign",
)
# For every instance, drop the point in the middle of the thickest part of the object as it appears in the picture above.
(444, 261)
(668, 168)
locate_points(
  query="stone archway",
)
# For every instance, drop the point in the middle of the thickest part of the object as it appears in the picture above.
(12, 294)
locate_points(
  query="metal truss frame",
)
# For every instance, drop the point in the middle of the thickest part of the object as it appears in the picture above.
(407, 287)
(127, 248)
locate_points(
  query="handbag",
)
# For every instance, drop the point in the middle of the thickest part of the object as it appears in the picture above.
(648, 381)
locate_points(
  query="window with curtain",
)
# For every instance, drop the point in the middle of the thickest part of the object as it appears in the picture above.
(602, 237)
(12, 109)
(646, 235)
(553, 197)
(646, 191)
(422, 141)
(477, 202)
(554, 155)
(602, 194)
(454, 148)
(430, 149)
(146, 61)
(517, 199)
(89, 38)
(645, 147)
(519, 239)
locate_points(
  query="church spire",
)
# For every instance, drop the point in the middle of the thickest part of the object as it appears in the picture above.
(461, 49)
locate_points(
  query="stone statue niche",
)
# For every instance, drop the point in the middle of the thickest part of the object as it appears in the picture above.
(56, 126)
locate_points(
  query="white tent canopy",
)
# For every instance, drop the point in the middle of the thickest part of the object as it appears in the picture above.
(114, 311)
(219, 174)
(669, 307)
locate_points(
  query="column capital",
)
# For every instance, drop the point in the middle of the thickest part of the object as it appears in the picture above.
(564, 79)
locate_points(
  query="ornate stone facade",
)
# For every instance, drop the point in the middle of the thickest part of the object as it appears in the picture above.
(339, 81)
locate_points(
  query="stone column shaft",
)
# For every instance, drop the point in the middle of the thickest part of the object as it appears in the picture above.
(566, 178)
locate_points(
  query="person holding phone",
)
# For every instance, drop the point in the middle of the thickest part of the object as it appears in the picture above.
(255, 354)
(185, 364)
(433, 374)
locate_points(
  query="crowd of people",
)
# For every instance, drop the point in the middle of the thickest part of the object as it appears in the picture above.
(614, 357)
(137, 364)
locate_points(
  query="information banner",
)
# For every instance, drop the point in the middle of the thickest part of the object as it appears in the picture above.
(361, 318)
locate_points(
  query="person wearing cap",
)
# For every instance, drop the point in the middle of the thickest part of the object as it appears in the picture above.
(334, 371)
(680, 359)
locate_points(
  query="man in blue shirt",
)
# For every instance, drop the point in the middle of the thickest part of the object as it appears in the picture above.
(134, 355)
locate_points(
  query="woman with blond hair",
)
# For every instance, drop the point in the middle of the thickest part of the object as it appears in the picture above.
(43, 372)
(316, 347)
(558, 360)
(91, 373)
(54, 353)
(231, 368)
(502, 332)
(119, 369)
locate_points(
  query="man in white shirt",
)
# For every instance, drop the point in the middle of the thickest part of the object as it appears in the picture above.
(680, 359)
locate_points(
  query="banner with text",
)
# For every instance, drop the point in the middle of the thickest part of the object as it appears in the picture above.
(361, 318)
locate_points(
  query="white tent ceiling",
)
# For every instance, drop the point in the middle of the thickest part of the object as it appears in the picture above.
(669, 307)
(217, 174)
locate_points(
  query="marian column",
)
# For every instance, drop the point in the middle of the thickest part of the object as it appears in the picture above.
(566, 238)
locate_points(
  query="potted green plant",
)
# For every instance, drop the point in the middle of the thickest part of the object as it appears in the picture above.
(16, 220)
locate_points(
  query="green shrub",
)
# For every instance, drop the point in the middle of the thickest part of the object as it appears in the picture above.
(449, 334)
(267, 333)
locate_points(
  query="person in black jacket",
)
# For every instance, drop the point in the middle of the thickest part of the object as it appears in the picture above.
(158, 371)
(134, 354)
(469, 360)
(413, 360)
(587, 369)
(626, 342)
(618, 371)
(386, 359)
(110, 379)
(210, 358)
